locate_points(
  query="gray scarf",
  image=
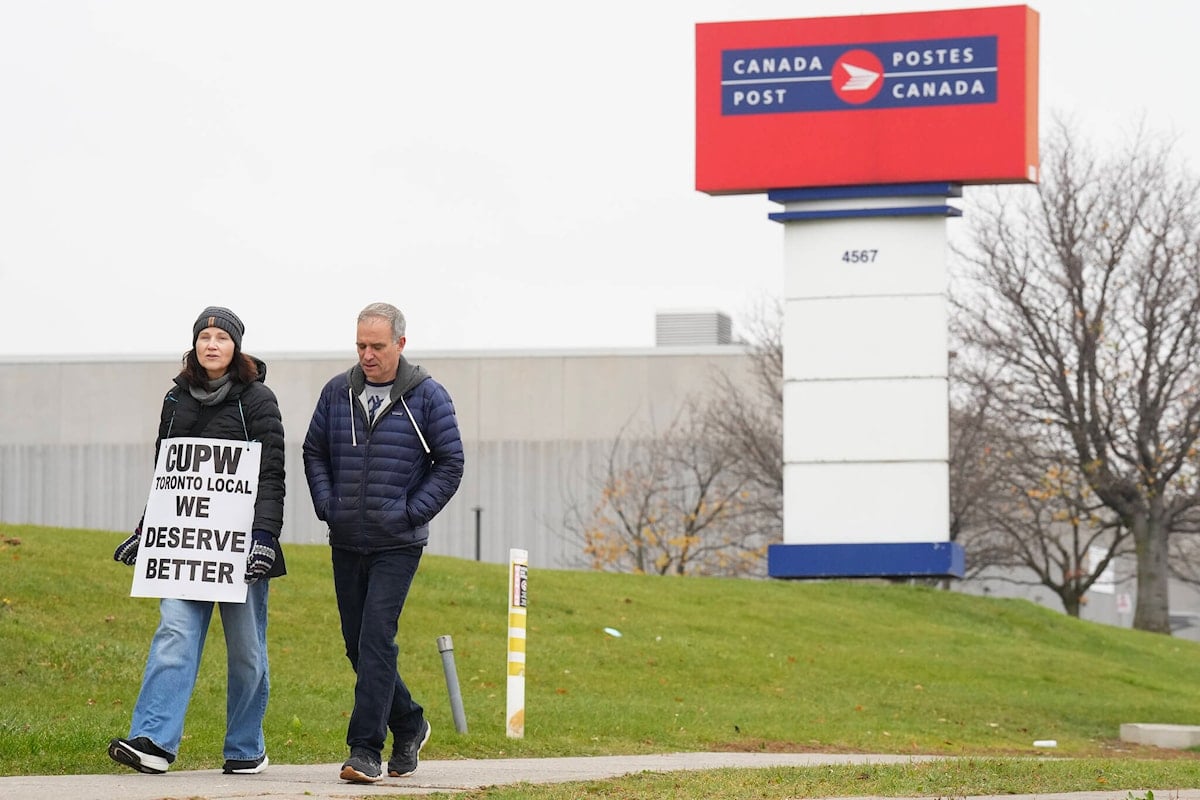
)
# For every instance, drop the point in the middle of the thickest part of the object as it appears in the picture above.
(216, 392)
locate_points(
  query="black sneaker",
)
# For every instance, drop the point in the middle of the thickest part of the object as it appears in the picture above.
(253, 766)
(361, 767)
(404, 756)
(141, 754)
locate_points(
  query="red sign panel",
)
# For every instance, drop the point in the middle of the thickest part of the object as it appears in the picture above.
(871, 99)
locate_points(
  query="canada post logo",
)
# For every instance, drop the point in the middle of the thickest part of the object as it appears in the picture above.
(932, 72)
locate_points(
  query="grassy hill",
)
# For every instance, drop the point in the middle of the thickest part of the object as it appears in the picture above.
(701, 664)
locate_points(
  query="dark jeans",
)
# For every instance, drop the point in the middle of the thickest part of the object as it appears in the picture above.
(371, 589)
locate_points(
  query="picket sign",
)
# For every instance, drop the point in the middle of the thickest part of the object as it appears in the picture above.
(199, 516)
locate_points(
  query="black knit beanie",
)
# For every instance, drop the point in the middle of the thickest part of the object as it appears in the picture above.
(218, 317)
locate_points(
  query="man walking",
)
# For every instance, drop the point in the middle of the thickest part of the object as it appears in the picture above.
(383, 456)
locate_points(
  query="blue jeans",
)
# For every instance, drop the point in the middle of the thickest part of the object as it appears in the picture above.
(371, 590)
(174, 661)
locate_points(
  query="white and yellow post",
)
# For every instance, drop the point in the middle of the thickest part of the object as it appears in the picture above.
(518, 571)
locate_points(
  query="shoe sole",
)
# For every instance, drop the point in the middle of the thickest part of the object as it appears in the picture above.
(395, 773)
(352, 775)
(266, 762)
(123, 754)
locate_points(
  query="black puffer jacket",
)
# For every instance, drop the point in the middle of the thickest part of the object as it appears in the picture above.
(249, 413)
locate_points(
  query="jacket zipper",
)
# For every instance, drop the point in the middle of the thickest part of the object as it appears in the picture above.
(368, 426)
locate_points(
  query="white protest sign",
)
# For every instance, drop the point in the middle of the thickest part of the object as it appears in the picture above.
(196, 532)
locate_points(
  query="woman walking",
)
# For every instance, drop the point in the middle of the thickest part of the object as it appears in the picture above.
(219, 394)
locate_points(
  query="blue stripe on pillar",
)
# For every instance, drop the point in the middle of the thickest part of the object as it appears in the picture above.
(882, 560)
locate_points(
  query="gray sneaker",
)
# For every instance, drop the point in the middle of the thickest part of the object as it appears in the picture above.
(361, 767)
(404, 754)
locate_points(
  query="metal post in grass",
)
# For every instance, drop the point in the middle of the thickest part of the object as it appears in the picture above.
(518, 571)
(478, 533)
(446, 648)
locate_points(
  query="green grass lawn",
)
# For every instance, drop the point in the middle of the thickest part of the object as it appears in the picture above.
(702, 664)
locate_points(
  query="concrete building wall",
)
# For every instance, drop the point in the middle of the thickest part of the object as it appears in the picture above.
(77, 435)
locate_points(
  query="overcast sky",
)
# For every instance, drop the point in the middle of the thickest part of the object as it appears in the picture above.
(512, 175)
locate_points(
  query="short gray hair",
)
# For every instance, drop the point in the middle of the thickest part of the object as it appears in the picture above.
(388, 312)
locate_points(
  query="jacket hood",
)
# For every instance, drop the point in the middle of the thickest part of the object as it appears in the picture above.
(262, 368)
(408, 376)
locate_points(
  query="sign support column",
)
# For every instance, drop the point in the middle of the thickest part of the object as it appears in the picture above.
(866, 441)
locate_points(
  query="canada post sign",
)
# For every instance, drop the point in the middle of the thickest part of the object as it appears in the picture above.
(942, 96)
(893, 75)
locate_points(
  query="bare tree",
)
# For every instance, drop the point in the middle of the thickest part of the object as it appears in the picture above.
(1020, 516)
(704, 496)
(1081, 315)
(673, 503)
(974, 469)
(1042, 523)
(749, 416)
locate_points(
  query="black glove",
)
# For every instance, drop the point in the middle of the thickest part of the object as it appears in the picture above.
(261, 556)
(127, 550)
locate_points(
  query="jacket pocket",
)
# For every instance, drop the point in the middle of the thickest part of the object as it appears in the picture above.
(393, 514)
(334, 512)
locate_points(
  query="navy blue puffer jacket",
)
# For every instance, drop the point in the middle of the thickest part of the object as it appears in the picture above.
(377, 485)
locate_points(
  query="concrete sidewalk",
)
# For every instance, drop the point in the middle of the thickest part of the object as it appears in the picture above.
(303, 782)
(285, 782)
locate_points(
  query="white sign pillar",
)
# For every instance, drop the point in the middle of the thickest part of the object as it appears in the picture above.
(518, 607)
(865, 400)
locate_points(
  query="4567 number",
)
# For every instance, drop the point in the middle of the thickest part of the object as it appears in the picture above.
(859, 256)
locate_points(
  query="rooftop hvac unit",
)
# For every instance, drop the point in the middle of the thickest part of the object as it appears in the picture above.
(683, 328)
